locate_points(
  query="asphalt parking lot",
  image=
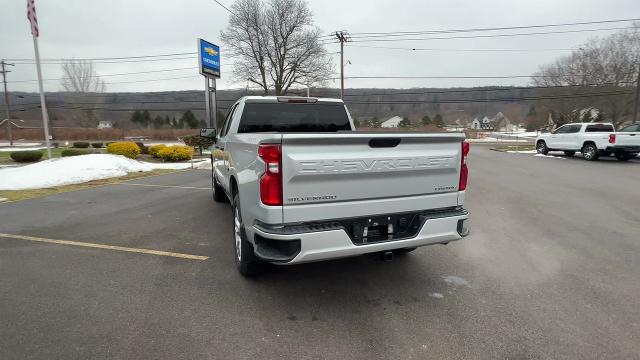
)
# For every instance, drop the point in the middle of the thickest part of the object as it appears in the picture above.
(550, 270)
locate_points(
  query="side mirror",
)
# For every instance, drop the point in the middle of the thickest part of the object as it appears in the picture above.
(208, 133)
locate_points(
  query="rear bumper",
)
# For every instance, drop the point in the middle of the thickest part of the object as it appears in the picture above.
(622, 148)
(335, 243)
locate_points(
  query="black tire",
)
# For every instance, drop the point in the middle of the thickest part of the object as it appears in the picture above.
(218, 192)
(404, 251)
(590, 152)
(623, 156)
(569, 153)
(541, 147)
(246, 261)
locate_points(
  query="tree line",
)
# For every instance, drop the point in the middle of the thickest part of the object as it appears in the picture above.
(594, 83)
(187, 121)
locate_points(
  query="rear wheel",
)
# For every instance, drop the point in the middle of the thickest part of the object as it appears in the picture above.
(541, 147)
(246, 261)
(590, 152)
(623, 156)
(569, 153)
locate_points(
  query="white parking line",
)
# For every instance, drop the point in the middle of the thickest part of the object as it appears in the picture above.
(105, 247)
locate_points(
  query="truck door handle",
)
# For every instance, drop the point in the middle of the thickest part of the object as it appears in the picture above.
(384, 142)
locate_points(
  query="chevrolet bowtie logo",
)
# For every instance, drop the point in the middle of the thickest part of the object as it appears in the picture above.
(210, 51)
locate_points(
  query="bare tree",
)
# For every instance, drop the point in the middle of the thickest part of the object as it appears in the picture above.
(275, 45)
(602, 72)
(79, 77)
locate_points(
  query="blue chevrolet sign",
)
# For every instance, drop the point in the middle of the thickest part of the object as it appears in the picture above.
(209, 59)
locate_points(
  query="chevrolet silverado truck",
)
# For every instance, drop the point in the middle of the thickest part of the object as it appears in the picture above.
(627, 142)
(591, 139)
(305, 186)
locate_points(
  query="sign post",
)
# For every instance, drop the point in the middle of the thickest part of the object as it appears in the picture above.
(209, 65)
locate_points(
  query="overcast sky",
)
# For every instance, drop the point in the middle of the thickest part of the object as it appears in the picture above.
(98, 28)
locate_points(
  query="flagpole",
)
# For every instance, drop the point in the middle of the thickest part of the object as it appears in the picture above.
(43, 105)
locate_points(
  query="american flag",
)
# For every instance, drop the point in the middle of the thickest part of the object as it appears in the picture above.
(31, 15)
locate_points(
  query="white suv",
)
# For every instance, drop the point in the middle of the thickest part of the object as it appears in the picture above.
(591, 139)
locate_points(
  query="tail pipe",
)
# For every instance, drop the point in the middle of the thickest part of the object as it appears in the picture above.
(387, 255)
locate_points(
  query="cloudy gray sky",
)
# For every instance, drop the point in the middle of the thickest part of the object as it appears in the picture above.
(115, 28)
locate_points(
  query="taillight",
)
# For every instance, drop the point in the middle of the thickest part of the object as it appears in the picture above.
(271, 180)
(464, 170)
(612, 138)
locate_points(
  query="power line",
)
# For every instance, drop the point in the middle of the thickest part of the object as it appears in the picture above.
(127, 109)
(110, 58)
(120, 74)
(496, 28)
(109, 62)
(129, 102)
(152, 80)
(226, 8)
(492, 35)
(460, 77)
(456, 50)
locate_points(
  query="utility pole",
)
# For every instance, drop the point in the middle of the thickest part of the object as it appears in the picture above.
(6, 99)
(635, 107)
(340, 35)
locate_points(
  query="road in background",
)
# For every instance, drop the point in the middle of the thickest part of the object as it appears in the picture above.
(550, 271)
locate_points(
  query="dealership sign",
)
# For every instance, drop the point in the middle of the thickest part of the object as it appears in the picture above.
(209, 59)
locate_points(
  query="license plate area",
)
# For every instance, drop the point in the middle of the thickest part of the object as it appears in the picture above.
(382, 228)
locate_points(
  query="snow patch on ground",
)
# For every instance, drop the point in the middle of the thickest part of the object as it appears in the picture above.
(77, 169)
(455, 281)
(526, 134)
(6, 143)
(523, 152)
(436, 295)
(549, 156)
(20, 148)
(495, 140)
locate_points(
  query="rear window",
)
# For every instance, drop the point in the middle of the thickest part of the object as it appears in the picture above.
(287, 117)
(599, 128)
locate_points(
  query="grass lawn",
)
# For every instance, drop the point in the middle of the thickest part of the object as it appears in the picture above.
(514, 148)
(16, 195)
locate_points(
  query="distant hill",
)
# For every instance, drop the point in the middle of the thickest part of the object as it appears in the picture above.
(463, 104)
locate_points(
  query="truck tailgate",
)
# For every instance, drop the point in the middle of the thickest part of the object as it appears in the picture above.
(340, 175)
(628, 139)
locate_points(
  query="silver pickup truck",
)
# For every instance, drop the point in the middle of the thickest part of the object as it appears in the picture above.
(305, 186)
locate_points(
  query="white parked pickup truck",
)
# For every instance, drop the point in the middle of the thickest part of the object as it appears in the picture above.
(627, 140)
(305, 186)
(591, 139)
